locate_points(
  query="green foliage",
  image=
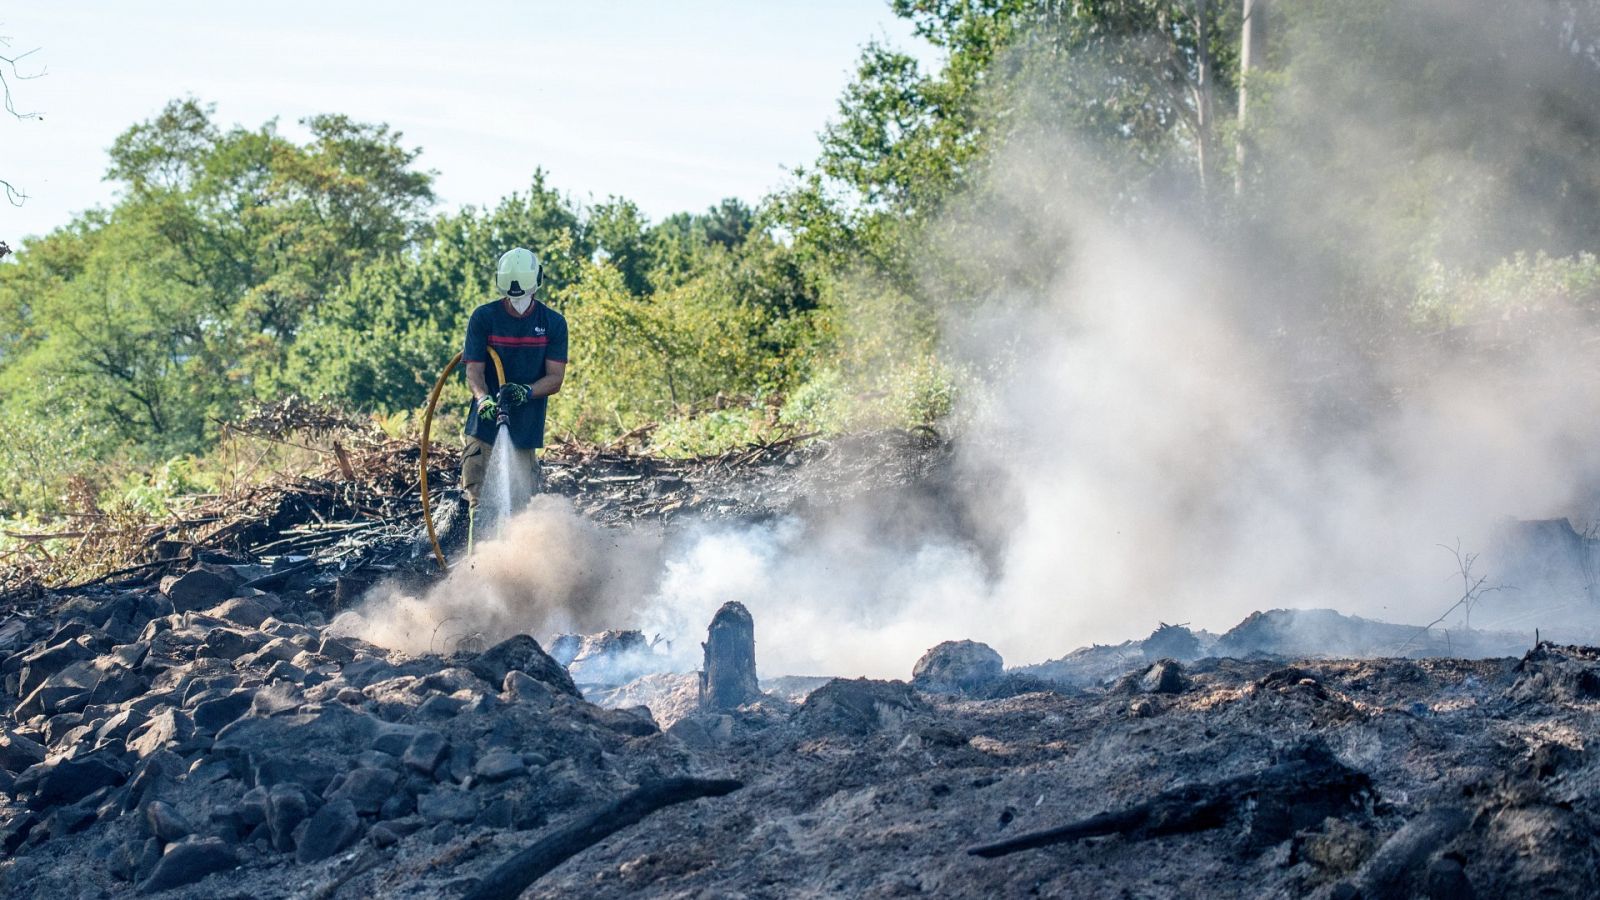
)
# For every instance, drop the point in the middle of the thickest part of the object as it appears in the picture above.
(237, 264)
(714, 431)
(918, 390)
(1520, 287)
(262, 227)
(1133, 79)
(380, 340)
(665, 317)
(1404, 136)
(155, 492)
(640, 360)
(682, 241)
(164, 314)
(43, 454)
(728, 223)
(617, 230)
(111, 335)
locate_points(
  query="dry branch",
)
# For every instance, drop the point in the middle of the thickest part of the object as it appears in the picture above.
(512, 877)
(14, 194)
(54, 536)
(1471, 592)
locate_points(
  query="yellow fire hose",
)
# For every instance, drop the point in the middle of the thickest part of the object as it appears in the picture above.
(427, 432)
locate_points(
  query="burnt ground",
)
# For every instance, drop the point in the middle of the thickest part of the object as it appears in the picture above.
(885, 803)
(191, 731)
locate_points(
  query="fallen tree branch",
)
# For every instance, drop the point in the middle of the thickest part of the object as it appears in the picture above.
(512, 877)
(55, 536)
(118, 572)
(1314, 778)
(273, 578)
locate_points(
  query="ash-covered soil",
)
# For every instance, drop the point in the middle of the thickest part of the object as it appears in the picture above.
(196, 732)
(880, 790)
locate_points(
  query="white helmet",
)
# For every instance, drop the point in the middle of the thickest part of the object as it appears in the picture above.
(519, 272)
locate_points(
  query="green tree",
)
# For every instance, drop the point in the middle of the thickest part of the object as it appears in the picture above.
(179, 303)
(103, 327)
(380, 341)
(682, 243)
(616, 229)
(1457, 133)
(728, 223)
(1145, 84)
(265, 227)
(637, 360)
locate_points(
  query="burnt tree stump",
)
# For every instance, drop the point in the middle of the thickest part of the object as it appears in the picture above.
(728, 677)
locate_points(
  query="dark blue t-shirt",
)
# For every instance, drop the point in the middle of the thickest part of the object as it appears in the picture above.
(524, 343)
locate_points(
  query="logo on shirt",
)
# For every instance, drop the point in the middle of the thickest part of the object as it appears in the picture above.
(538, 330)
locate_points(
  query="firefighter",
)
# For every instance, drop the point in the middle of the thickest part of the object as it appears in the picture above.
(531, 340)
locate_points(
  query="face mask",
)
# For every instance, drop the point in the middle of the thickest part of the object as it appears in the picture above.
(521, 304)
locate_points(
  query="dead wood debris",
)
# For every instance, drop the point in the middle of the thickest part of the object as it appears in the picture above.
(1309, 786)
(512, 877)
(357, 513)
(1386, 874)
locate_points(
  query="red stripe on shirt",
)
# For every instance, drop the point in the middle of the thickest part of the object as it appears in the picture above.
(497, 341)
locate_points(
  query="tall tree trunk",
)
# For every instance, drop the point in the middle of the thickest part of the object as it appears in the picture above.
(1205, 74)
(1252, 48)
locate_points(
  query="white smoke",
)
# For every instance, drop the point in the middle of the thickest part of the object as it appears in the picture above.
(1170, 467)
(549, 571)
(1180, 431)
(826, 600)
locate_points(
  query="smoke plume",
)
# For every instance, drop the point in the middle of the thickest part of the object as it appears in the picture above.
(1174, 420)
(549, 571)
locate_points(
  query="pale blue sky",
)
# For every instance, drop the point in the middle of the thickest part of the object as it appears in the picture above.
(672, 104)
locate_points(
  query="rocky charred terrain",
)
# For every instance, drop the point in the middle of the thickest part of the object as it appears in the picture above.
(1462, 778)
(199, 732)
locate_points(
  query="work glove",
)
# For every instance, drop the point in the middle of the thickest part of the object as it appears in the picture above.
(488, 410)
(514, 395)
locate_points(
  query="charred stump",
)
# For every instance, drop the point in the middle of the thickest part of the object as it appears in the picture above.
(728, 677)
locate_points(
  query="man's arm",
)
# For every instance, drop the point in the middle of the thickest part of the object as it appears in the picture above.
(476, 380)
(555, 359)
(554, 372)
(476, 353)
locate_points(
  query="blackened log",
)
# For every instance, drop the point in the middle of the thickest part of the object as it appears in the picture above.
(1390, 871)
(1312, 784)
(512, 877)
